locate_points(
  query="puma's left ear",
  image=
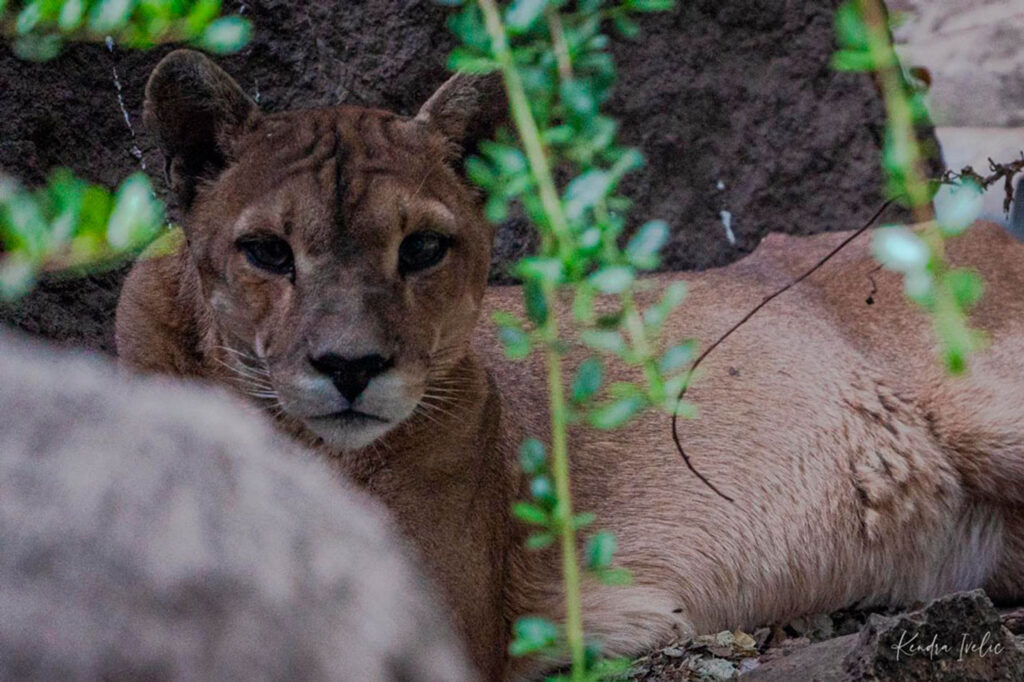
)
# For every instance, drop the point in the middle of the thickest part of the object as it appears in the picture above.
(195, 109)
(466, 108)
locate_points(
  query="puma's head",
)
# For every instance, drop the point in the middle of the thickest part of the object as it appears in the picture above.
(341, 256)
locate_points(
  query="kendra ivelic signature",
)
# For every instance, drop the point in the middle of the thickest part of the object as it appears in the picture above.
(966, 646)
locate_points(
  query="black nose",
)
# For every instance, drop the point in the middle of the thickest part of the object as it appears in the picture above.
(350, 375)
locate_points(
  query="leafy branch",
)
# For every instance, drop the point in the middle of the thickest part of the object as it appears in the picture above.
(69, 224)
(862, 28)
(557, 73)
(40, 28)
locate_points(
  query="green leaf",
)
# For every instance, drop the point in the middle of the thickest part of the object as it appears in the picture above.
(467, 60)
(109, 16)
(615, 577)
(966, 286)
(585, 191)
(532, 634)
(541, 269)
(28, 17)
(583, 304)
(600, 548)
(510, 160)
(919, 286)
(851, 30)
(615, 414)
(614, 279)
(578, 98)
(899, 249)
(626, 27)
(958, 206)
(583, 520)
(226, 35)
(642, 250)
(480, 173)
(136, 216)
(37, 48)
(536, 302)
(541, 540)
(17, 275)
(200, 15)
(71, 14)
(515, 342)
(530, 513)
(604, 340)
(676, 357)
(543, 490)
(532, 456)
(650, 5)
(521, 14)
(588, 380)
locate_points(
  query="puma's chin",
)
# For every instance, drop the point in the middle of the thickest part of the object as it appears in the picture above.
(348, 430)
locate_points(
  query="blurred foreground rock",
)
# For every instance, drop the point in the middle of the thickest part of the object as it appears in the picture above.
(152, 530)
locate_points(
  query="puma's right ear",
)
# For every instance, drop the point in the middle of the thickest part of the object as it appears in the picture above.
(466, 109)
(195, 110)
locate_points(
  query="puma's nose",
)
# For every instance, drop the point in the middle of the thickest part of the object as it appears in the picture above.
(350, 375)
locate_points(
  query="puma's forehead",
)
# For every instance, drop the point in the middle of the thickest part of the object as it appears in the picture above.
(338, 152)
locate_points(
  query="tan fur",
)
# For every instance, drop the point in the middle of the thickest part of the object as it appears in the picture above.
(861, 472)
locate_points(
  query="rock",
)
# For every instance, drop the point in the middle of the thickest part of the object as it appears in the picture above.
(822, 662)
(954, 639)
(152, 530)
(715, 669)
(1013, 620)
(958, 638)
(730, 93)
(975, 54)
(815, 628)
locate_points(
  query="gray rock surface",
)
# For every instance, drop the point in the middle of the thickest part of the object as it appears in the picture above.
(958, 638)
(975, 53)
(151, 530)
(737, 92)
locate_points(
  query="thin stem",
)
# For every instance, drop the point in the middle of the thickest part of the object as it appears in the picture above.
(901, 118)
(563, 511)
(558, 42)
(637, 333)
(529, 134)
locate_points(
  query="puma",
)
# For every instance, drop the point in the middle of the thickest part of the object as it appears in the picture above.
(334, 270)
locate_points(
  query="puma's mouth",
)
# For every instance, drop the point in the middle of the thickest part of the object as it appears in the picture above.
(349, 429)
(351, 416)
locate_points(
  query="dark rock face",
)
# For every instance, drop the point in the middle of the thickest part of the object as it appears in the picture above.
(735, 94)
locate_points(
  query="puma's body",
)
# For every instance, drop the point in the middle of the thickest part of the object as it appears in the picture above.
(861, 473)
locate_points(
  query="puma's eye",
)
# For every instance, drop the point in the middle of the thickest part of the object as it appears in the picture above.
(420, 250)
(269, 253)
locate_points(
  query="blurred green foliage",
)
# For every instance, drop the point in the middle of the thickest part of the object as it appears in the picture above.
(865, 45)
(40, 28)
(558, 73)
(70, 225)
